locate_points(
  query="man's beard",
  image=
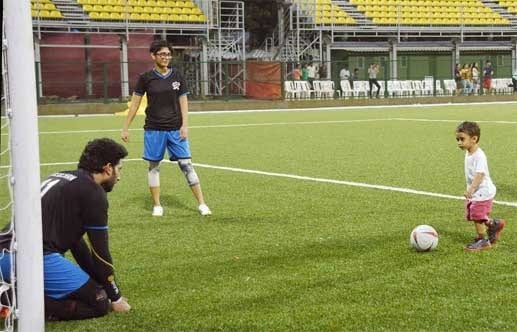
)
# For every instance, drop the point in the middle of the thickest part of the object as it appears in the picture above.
(109, 183)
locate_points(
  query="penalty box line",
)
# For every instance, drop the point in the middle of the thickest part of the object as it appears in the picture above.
(312, 179)
(281, 123)
(347, 183)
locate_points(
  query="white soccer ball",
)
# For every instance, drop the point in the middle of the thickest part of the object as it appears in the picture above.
(424, 238)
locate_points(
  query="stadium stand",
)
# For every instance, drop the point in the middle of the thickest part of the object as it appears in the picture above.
(429, 12)
(45, 9)
(510, 5)
(330, 33)
(143, 10)
(325, 12)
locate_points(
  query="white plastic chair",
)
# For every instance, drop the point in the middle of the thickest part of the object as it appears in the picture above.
(346, 89)
(449, 86)
(327, 89)
(361, 88)
(303, 89)
(418, 88)
(289, 89)
(394, 88)
(407, 89)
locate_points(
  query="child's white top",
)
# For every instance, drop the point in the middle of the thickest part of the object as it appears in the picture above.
(477, 163)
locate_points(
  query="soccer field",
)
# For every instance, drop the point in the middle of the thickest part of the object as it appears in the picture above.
(312, 212)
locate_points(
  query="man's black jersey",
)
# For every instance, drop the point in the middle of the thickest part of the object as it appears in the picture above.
(163, 92)
(73, 204)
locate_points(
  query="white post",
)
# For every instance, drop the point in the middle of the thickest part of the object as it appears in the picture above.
(37, 55)
(204, 68)
(25, 165)
(124, 71)
(393, 60)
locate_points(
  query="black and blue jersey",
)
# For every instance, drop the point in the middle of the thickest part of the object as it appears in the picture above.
(163, 92)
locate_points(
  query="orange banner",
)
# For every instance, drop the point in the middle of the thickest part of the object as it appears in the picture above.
(263, 80)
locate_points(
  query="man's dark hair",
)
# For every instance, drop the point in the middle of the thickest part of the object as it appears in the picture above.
(158, 45)
(470, 128)
(99, 152)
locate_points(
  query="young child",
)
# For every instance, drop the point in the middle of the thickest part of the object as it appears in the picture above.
(480, 188)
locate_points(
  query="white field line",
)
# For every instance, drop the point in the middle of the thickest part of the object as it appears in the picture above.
(313, 179)
(276, 124)
(310, 109)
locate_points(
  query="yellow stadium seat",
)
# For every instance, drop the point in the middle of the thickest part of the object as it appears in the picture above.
(116, 16)
(56, 14)
(135, 17)
(94, 15)
(174, 17)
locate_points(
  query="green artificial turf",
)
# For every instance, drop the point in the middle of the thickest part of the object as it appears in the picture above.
(291, 254)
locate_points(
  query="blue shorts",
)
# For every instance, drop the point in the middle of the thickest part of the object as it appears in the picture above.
(60, 276)
(156, 141)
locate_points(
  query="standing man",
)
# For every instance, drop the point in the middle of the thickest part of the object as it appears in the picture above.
(354, 77)
(311, 73)
(344, 74)
(74, 203)
(297, 72)
(166, 123)
(372, 78)
(488, 73)
(305, 73)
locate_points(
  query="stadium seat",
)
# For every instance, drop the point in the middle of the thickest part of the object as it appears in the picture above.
(426, 12)
(135, 17)
(116, 16)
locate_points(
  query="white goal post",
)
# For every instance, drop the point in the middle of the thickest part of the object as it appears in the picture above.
(25, 173)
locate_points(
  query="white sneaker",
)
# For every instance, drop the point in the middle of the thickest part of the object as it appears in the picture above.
(204, 210)
(157, 211)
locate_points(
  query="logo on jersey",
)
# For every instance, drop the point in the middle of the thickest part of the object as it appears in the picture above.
(176, 85)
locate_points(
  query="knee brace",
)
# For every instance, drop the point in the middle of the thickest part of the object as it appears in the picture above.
(188, 170)
(153, 175)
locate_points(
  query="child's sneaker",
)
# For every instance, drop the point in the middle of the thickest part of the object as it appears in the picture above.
(157, 211)
(478, 244)
(204, 210)
(494, 230)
